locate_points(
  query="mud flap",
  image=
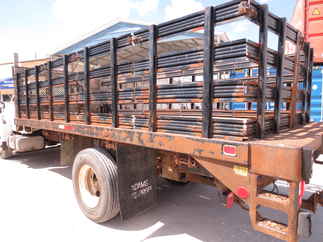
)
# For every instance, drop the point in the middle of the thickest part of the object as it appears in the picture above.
(304, 224)
(137, 179)
(307, 166)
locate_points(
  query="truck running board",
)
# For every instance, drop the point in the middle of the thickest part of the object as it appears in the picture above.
(287, 204)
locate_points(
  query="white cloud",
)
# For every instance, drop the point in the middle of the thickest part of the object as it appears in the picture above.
(79, 17)
(178, 8)
(23, 41)
(70, 20)
(241, 26)
(83, 14)
(263, 1)
(145, 7)
(5, 71)
(76, 17)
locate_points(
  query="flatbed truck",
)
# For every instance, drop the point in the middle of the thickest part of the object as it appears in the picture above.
(144, 105)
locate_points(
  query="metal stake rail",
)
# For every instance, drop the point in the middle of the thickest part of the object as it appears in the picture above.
(202, 97)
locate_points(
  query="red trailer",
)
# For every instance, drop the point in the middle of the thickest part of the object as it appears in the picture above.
(308, 18)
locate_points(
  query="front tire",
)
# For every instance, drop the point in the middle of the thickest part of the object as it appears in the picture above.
(5, 151)
(95, 182)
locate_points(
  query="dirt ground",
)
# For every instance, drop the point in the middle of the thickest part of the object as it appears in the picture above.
(37, 204)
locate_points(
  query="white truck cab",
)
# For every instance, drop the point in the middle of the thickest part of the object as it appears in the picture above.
(12, 140)
(7, 126)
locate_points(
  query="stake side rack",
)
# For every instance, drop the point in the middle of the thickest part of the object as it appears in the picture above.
(185, 103)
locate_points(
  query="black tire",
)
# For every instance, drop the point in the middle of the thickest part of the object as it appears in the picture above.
(5, 152)
(103, 184)
(304, 228)
(177, 183)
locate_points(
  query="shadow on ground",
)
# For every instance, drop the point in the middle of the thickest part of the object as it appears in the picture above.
(193, 210)
(44, 159)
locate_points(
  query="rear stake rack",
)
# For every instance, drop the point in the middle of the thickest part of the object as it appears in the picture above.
(225, 113)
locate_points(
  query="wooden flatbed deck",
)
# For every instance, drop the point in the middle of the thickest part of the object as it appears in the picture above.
(308, 135)
(287, 155)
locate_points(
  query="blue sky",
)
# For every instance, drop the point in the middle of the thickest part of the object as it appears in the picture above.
(40, 27)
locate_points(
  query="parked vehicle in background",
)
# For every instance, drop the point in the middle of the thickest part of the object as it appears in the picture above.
(308, 18)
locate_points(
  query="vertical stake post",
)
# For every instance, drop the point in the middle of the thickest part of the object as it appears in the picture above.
(114, 79)
(66, 89)
(263, 41)
(27, 95)
(280, 72)
(50, 91)
(307, 53)
(17, 93)
(37, 91)
(87, 118)
(208, 63)
(293, 104)
(153, 33)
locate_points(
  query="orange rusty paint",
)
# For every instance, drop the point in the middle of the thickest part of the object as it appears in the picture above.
(197, 29)
(280, 162)
(224, 172)
(196, 146)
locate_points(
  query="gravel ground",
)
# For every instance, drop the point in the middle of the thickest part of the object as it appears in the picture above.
(37, 204)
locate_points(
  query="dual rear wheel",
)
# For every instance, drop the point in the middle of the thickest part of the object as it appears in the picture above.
(95, 181)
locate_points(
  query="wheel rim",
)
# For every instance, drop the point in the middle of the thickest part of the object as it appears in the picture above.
(89, 186)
